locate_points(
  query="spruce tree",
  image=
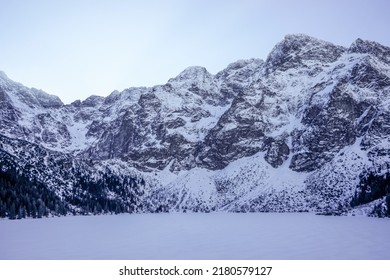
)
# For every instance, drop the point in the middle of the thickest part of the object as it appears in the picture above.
(12, 212)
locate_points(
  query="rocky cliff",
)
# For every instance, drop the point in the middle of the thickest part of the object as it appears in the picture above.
(305, 130)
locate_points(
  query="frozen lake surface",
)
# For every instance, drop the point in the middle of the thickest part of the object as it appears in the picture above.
(196, 236)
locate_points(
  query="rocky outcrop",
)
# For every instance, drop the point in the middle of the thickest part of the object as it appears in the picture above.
(296, 132)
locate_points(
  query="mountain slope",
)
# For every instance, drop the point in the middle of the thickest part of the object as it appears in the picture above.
(305, 130)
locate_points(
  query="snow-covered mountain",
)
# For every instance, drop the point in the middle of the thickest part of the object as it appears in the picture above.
(305, 130)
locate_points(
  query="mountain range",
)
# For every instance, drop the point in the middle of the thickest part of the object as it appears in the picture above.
(308, 129)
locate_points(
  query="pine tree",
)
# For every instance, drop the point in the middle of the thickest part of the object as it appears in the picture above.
(23, 212)
(33, 211)
(12, 212)
(2, 209)
(20, 213)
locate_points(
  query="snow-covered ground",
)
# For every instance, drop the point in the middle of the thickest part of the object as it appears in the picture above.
(197, 236)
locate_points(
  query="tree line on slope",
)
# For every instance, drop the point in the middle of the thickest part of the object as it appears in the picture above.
(22, 196)
(373, 186)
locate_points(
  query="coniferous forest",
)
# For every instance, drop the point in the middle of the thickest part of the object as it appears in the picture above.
(22, 197)
(372, 187)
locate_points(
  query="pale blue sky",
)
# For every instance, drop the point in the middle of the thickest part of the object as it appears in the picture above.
(75, 48)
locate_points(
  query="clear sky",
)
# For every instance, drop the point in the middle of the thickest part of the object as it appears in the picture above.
(76, 48)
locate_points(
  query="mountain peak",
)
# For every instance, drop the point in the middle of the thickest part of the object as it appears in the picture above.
(302, 40)
(363, 46)
(4, 79)
(296, 48)
(370, 47)
(193, 73)
(257, 136)
(241, 63)
(3, 75)
(299, 37)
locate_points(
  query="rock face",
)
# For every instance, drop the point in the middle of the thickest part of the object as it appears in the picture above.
(299, 131)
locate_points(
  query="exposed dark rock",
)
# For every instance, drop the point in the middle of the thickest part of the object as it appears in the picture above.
(313, 111)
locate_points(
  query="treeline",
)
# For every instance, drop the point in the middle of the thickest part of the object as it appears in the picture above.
(21, 197)
(372, 187)
(108, 193)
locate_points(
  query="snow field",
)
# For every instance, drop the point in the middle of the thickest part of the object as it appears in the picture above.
(197, 236)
